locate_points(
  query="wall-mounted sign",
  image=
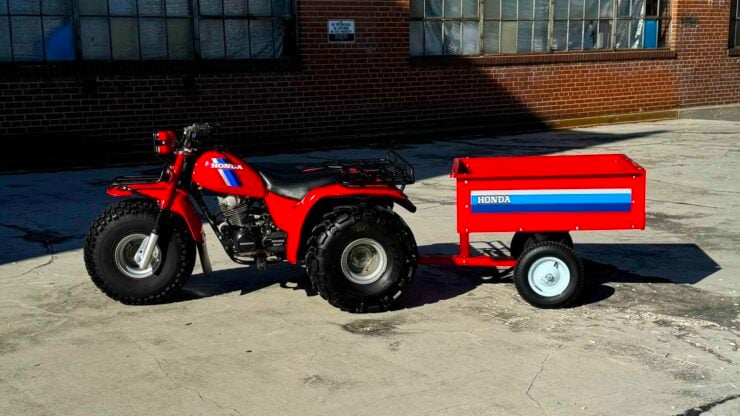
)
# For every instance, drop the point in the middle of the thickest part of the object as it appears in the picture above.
(341, 31)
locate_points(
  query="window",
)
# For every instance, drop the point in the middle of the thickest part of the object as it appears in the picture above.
(132, 30)
(735, 24)
(527, 26)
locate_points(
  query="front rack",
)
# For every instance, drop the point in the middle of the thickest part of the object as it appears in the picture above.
(391, 170)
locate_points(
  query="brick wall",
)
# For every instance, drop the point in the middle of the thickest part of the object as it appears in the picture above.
(349, 92)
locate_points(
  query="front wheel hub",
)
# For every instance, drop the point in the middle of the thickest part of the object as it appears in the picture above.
(128, 253)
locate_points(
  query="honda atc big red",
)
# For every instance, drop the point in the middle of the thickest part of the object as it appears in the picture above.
(337, 217)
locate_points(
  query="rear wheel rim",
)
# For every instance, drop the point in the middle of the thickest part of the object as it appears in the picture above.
(127, 253)
(549, 276)
(364, 261)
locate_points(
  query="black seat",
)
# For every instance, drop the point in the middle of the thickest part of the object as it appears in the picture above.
(290, 182)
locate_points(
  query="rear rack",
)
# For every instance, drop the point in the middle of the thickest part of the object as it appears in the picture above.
(391, 170)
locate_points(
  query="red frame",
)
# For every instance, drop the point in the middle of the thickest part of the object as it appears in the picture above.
(580, 172)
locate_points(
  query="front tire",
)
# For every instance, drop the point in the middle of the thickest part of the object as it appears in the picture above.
(110, 253)
(361, 258)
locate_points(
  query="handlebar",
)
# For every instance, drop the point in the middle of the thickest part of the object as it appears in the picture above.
(190, 134)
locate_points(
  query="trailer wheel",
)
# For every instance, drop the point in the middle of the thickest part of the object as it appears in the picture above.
(549, 275)
(361, 258)
(522, 241)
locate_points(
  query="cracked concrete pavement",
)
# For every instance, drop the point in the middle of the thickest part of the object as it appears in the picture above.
(655, 333)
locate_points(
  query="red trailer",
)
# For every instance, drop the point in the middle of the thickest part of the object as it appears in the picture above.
(541, 199)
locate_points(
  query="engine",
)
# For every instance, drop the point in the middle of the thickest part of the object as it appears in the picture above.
(250, 230)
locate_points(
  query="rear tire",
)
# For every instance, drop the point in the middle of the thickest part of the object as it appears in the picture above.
(361, 258)
(549, 275)
(114, 236)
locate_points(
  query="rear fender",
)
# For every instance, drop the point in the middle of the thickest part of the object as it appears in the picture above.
(297, 218)
(181, 204)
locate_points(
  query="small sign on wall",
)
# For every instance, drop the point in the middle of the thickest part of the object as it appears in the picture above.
(341, 31)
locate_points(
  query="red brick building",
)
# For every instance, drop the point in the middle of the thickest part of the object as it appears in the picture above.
(96, 74)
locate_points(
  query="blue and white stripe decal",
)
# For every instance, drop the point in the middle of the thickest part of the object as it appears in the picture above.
(551, 200)
(227, 175)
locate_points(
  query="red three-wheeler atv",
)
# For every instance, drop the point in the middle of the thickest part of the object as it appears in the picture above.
(338, 218)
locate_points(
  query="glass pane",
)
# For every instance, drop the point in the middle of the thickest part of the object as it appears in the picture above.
(153, 34)
(650, 37)
(561, 9)
(53, 6)
(589, 34)
(623, 34)
(575, 35)
(25, 7)
(59, 43)
(238, 7)
(492, 10)
(508, 37)
(651, 7)
(452, 38)
(526, 9)
(470, 8)
(434, 8)
(237, 37)
(453, 8)
(261, 8)
(211, 38)
(93, 7)
(151, 7)
(4, 10)
(663, 36)
(638, 8)
(604, 40)
(178, 7)
(283, 8)
(5, 49)
(417, 8)
(261, 38)
(278, 30)
(592, 8)
(180, 39)
(665, 8)
(124, 38)
(416, 38)
(560, 35)
(210, 7)
(737, 34)
(607, 8)
(539, 43)
(576, 9)
(524, 37)
(490, 37)
(122, 7)
(636, 29)
(542, 9)
(94, 38)
(623, 8)
(508, 9)
(471, 38)
(27, 39)
(433, 38)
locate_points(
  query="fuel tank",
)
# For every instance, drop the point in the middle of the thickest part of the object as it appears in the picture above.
(224, 173)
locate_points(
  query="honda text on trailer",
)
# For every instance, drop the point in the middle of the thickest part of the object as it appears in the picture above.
(338, 219)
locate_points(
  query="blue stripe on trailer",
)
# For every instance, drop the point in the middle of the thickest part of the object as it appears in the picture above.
(551, 208)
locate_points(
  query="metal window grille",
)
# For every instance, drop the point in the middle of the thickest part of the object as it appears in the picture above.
(531, 26)
(133, 30)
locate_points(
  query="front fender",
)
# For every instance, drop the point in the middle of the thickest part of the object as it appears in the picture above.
(181, 204)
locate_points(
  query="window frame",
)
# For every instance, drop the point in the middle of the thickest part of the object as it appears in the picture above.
(290, 51)
(663, 23)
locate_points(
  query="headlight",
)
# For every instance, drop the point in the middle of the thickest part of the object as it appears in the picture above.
(164, 142)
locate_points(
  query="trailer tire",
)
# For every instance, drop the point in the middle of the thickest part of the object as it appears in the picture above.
(361, 258)
(522, 241)
(125, 224)
(549, 275)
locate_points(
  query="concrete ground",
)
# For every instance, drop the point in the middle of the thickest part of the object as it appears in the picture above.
(656, 332)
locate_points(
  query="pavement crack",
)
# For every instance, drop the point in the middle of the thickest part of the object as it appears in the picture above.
(40, 266)
(698, 410)
(202, 398)
(531, 384)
